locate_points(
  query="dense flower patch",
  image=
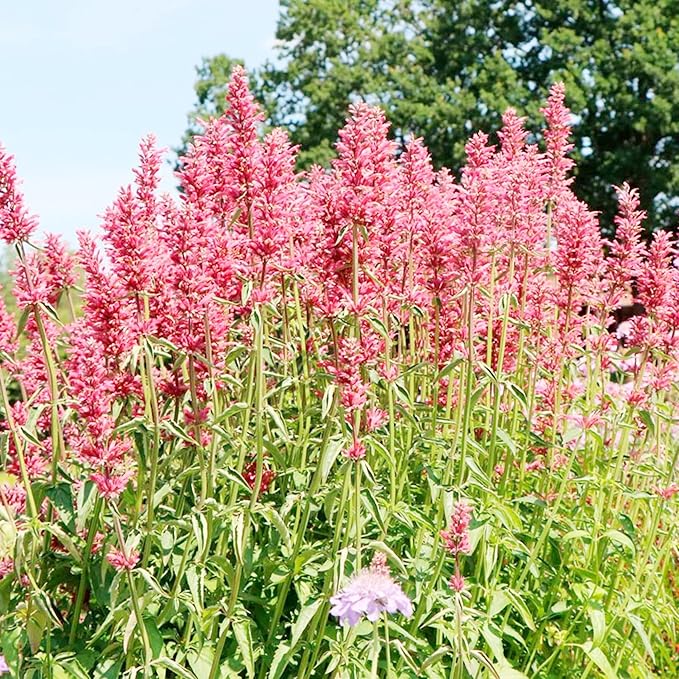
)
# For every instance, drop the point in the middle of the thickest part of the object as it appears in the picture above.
(375, 394)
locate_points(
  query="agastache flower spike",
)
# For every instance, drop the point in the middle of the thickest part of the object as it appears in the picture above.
(121, 561)
(16, 224)
(456, 540)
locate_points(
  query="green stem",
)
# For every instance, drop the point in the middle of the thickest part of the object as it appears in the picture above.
(374, 665)
(82, 587)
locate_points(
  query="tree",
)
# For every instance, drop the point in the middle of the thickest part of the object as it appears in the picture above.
(443, 69)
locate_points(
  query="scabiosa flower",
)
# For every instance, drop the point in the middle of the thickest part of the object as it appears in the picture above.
(370, 592)
(121, 561)
(4, 667)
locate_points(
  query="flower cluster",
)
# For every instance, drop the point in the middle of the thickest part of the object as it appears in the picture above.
(456, 540)
(369, 593)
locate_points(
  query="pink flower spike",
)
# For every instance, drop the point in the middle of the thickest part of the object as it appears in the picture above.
(456, 582)
(669, 492)
(111, 486)
(355, 452)
(6, 566)
(456, 538)
(16, 224)
(121, 561)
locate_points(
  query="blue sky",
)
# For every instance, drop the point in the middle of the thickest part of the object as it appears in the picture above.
(83, 80)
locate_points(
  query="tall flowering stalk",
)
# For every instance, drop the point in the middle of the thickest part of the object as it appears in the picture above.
(456, 540)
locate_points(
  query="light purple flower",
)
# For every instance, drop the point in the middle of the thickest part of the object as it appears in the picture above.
(4, 667)
(369, 592)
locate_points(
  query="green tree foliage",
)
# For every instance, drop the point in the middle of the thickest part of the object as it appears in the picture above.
(443, 69)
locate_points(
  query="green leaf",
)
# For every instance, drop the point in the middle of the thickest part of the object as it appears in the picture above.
(233, 475)
(62, 499)
(60, 672)
(627, 526)
(521, 607)
(65, 540)
(498, 603)
(280, 661)
(597, 656)
(598, 620)
(201, 662)
(369, 499)
(109, 669)
(155, 638)
(274, 518)
(447, 369)
(508, 672)
(329, 456)
(437, 655)
(403, 652)
(243, 634)
(621, 539)
(493, 640)
(23, 319)
(482, 658)
(303, 619)
(171, 665)
(237, 534)
(35, 628)
(86, 500)
(639, 628)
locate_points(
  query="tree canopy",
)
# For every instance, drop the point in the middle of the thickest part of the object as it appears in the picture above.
(443, 69)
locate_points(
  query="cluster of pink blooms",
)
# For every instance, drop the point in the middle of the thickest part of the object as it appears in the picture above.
(385, 256)
(250, 476)
(121, 560)
(456, 540)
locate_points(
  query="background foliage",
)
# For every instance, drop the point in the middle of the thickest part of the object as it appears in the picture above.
(444, 69)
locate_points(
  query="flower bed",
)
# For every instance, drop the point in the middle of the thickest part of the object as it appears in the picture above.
(366, 421)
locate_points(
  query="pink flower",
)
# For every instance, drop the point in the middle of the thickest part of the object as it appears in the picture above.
(250, 476)
(669, 492)
(375, 418)
(16, 224)
(4, 667)
(536, 465)
(456, 538)
(558, 118)
(356, 451)
(456, 582)
(110, 486)
(6, 566)
(121, 561)
(370, 592)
